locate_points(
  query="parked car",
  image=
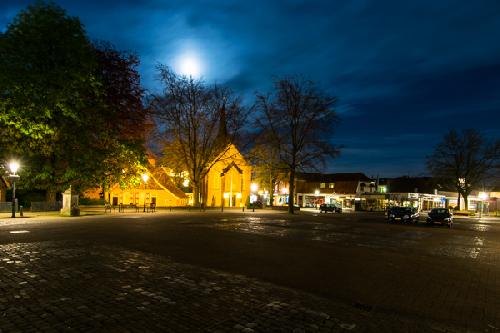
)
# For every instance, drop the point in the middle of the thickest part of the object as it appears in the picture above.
(331, 207)
(440, 215)
(402, 214)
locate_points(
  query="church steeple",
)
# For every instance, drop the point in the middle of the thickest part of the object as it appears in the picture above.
(222, 136)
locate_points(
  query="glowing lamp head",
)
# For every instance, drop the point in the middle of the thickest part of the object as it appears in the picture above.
(254, 187)
(316, 192)
(13, 166)
(145, 177)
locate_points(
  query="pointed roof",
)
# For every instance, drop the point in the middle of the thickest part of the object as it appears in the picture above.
(222, 135)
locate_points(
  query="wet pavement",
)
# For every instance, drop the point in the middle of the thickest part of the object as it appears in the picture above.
(248, 272)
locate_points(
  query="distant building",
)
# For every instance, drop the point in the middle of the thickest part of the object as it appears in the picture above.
(228, 181)
(159, 190)
(313, 189)
(419, 192)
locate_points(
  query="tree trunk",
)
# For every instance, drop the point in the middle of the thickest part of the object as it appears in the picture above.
(291, 192)
(196, 194)
(459, 206)
(271, 193)
(466, 202)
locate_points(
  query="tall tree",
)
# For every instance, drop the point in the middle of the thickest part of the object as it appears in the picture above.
(48, 86)
(266, 164)
(198, 122)
(124, 119)
(63, 100)
(300, 120)
(464, 160)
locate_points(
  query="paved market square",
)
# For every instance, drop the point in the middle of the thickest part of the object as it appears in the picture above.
(263, 271)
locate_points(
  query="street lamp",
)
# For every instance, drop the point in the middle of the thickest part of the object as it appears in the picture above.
(13, 166)
(482, 196)
(145, 178)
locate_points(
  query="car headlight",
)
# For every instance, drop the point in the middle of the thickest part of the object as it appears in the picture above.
(447, 219)
(392, 215)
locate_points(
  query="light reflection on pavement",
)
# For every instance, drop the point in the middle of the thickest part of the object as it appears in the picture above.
(350, 231)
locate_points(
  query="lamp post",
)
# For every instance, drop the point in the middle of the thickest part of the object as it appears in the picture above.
(13, 166)
(145, 178)
(482, 196)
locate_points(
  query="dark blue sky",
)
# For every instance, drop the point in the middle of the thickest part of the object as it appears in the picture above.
(404, 72)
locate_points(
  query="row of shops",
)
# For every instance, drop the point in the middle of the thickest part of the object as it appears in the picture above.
(380, 201)
(355, 191)
(367, 201)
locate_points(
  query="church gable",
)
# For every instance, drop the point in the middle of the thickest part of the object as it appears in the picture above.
(228, 181)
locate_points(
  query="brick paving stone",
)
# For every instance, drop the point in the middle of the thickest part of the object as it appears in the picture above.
(82, 287)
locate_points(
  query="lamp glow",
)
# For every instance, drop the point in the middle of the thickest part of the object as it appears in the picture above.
(254, 187)
(145, 177)
(13, 166)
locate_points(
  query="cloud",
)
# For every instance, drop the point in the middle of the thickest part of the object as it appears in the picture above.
(396, 67)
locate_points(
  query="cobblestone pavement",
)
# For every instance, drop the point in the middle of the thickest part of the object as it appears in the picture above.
(144, 273)
(65, 287)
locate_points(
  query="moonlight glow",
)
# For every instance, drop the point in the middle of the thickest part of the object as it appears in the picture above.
(189, 65)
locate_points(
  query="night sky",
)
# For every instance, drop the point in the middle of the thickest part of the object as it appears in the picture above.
(404, 72)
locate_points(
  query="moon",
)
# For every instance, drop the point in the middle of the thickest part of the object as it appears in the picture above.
(189, 65)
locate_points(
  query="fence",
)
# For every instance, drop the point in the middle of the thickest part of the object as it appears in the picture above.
(6, 207)
(45, 206)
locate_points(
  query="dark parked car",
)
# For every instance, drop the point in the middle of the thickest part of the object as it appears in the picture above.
(331, 207)
(402, 214)
(440, 215)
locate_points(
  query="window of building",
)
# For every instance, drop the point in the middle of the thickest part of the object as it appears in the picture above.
(322, 185)
(331, 185)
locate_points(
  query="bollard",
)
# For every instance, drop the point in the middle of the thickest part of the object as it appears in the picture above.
(243, 209)
(21, 211)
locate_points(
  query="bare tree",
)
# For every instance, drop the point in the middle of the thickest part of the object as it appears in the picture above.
(464, 160)
(197, 123)
(266, 164)
(299, 120)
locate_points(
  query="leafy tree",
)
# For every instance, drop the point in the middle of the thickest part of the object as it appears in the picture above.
(65, 103)
(48, 86)
(299, 120)
(198, 122)
(464, 160)
(123, 117)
